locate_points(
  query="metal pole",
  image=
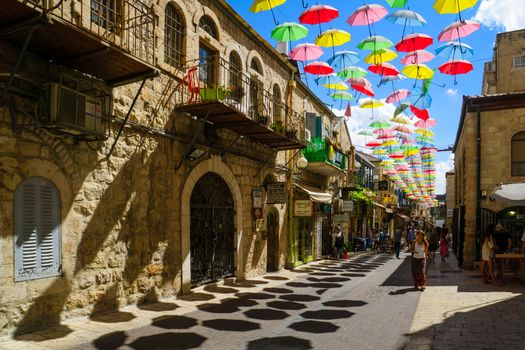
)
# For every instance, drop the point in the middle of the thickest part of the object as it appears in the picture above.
(478, 182)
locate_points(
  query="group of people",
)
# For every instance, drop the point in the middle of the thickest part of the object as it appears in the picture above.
(495, 240)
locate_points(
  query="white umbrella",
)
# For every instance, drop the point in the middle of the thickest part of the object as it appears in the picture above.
(512, 194)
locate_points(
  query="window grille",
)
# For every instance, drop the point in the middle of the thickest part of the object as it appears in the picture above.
(173, 37)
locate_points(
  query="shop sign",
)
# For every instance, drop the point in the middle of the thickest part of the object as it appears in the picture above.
(450, 213)
(260, 225)
(340, 219)
(325, 208)
(257, 197)
(303, 208)
(347, 206)
(276, 193)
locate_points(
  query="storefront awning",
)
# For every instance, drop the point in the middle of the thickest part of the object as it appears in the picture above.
(403, 216)
(316, 194)
(379, 205)
(512, 194)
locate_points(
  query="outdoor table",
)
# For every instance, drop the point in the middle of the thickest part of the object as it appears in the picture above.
(515, 256)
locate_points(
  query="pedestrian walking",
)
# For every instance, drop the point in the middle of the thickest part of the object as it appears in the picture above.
(411, 236)
(502, 244)
(419, 249)
(443, 248)
(433, 244)
(397, 242)
(487, 255)
(339, 242)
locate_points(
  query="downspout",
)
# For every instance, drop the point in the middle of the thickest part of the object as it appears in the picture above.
(291, 255)
(478, 182)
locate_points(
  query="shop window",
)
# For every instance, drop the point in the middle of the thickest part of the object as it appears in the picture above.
(518, 154)
(173, 37)
(36, 230)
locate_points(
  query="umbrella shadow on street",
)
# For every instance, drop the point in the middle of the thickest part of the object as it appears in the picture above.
(287, 342)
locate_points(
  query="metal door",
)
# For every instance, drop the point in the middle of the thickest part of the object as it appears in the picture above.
(211, 230)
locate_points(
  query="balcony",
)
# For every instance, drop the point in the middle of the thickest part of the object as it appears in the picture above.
(323, 158)
(230, 99)
(112, 40)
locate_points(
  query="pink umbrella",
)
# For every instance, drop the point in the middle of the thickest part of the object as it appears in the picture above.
(459, 29)
(367, 14)
(425, 123)
(318, 68)
(306, 52)
(402, 128)
(380, 131)
(398, 95)
(418, 56)
(386, 134)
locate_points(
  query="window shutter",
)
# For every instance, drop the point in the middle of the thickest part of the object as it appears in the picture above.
(37, 230)
(310, 123)
(319, 126)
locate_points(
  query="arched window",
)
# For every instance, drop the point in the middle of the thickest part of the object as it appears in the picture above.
(36, 230)
(235, 78)
(207, 24)
(277, 103)
(256, 65)
(518, 154)
(173, 37)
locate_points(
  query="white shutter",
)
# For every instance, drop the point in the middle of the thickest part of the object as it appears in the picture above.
(37, 230)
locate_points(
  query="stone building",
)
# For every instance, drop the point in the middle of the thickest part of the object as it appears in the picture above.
(490, 148)
(137, 142)
(449, 200)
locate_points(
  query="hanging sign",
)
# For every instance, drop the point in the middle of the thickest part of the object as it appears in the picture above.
(303, 208)
(276, 193)
(340, 219)
(347, 206)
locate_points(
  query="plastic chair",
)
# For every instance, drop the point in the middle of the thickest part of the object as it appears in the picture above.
(191, 79)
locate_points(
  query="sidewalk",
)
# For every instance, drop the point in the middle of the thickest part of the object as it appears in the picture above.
(459, 311)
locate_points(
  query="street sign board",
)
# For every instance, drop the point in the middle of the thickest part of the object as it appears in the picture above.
(348, 205)
(303, 208)
(276, 193)
(340, 219)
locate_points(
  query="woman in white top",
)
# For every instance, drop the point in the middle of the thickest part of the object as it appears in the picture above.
(487, 255)
(419, 251)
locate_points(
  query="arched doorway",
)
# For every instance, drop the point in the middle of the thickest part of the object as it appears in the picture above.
(513, 219)
(211, 230)
(272, 240)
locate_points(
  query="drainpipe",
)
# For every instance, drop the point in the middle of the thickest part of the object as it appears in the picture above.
(478, 181)
(291, 253)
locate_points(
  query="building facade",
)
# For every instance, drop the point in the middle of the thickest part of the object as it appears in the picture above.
(136, 159)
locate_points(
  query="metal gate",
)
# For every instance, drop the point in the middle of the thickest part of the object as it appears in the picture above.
(211, 230)
(459, 232)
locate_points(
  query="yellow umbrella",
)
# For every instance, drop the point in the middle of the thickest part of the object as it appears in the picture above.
(372, 104)
(418, 71)
(453, 6)
(265, 5)
(389, 143)
(336, 86)
(332, 37)
(424, 132)
(380, 56)
(400, 120)
(379, 152)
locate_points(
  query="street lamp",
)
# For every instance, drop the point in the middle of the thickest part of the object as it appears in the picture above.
(302, 163)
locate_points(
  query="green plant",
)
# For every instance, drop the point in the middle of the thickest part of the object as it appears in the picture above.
(277, 127)
(348, 246)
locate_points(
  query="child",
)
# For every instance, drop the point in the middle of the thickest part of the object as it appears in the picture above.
(443, 248)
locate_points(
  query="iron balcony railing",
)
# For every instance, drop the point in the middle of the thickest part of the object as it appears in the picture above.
(217, 80)
(319, 150)
(126, 24)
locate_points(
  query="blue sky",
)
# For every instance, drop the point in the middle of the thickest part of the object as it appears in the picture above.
(494, 15)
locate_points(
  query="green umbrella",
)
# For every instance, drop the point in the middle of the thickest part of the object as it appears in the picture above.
(424, 138)
(401, 108)
(365, 133)
(374, 43)
(379, 125)
(342, 95)
(352, 72)
(397, 3)
(289, 31)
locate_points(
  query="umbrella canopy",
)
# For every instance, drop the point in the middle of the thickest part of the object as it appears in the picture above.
(379, 56)
(418, 71)
(379, 124)
(344, 59)
(365, 133)
(352, 72)
(306, 52)
(364, 89)
(389, 143)
(398, 95)
(511, 194)
(289, 31)
(455, 49)
(400, 119)
(418, 56)
(456, 67)
(402, 128)
(453, 6)
(425, 123)
(318, 14)
(407, 18)
(336, 86)
(342, 95)
(420, 113)
(386, 134)
(459, 29)
(319, 67)
(389, 79)
(265, 5)
(414, 42)
(328, 79)
(384, 69)
(397, 3)
(359, 81)
(374, 42)
(367, 14)
(332, 37)
(420, 100)
(424, 132)
(373, 143)
(372, 104)
(400, 109)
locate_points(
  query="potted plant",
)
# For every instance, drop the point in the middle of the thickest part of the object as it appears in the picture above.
(236, 92)
(347, 249)
(277, 126)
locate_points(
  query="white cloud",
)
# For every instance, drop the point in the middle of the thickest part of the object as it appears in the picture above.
(441, 169)
(452, 92)
(501, 14)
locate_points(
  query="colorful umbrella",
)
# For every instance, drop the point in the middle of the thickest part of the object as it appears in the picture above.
(425, 123)
(415, 57)
(424, 132)
(289, 31)
(386, 134)
(385, 80)
(265, 5)
(398, 95)
(379, 56)
(420, 113)
(342, 95)
(379, 124)
(367, 14)
(406, 18)
(362, 85)
(384, 69)
(418, 71)
(319, 68)
(402, 128)
(344, 58)
(453, 6)
(459, 29)
(328, 79)
(374, 42)
(373, 143)
(372, 104)
(332, 37)
(414, 42)
(400, 109)
(352, 72)
(306, 52)
(419, 99)
(400, 119)
(365, 133)
(456, 67)
(319, 14)
(336, 86)
(397, 3)
(453, 50)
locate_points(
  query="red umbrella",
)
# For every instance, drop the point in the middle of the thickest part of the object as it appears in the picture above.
(414, 42)
(319, 14)
(458, 30)
(420, 113)
(456, 67)
(384, 69)
(362, 85)
(318, 68)
(373, 143)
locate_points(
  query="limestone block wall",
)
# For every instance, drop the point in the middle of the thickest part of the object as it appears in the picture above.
(508, 46)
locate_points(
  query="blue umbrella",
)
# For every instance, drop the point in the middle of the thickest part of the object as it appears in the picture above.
(406, 17)
(419, 99)
(328, 79)
(344, 58)
(455, 50)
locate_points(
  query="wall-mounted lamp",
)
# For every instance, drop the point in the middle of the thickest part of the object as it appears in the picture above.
(196, 153)
(302, 163)
(483, 194)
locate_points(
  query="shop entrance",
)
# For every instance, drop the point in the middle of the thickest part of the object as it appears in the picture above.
(304, 239)
(272, 240)
(211, 230)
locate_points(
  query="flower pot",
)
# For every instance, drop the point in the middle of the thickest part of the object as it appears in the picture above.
(211, 93)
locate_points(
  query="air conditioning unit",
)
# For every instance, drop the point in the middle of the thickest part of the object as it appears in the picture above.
(69, 111)
(307, 135)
